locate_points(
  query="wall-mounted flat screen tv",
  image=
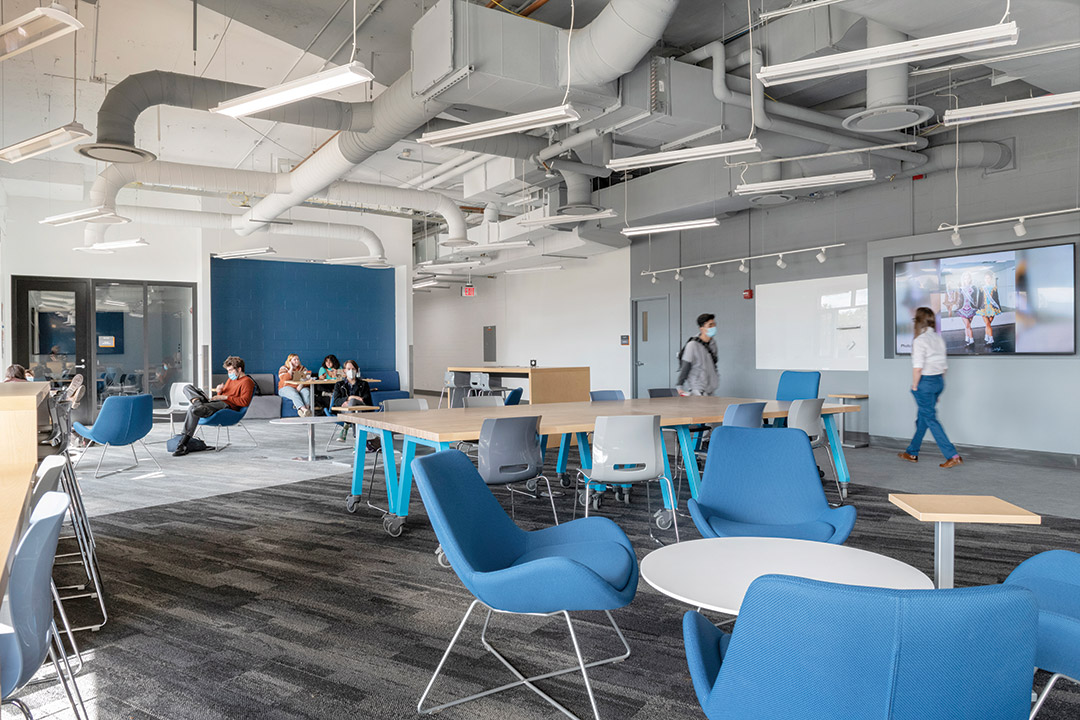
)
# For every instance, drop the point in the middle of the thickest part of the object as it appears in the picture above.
(1012, 302)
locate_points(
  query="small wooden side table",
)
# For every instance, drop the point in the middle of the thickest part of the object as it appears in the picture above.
(947, 510)
(844, 397)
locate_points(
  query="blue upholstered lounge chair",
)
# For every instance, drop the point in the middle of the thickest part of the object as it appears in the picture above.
(122, 420)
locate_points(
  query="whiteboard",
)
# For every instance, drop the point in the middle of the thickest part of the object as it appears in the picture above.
(816, 324)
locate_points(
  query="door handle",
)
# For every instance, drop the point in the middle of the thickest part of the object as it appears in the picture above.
(639, 363)
(79, 367)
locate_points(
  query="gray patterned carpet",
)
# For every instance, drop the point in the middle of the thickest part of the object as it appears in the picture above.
(278, 604)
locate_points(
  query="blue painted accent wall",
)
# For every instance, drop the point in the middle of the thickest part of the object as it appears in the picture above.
(263, 310)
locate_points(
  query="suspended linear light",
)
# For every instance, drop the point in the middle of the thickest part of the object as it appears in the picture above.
(502, 126)
(460, 242)
(566, 219)
(354, 260)
(1013, 108)
(430, 282)
(813, 5)
(303, 88)
(812, 181)
(669, 227)
(114, 245)
(36, 27)
(538, 268)
(670, 157)
(99, 214)
(71, 133)
(495, 247)
(959, 43)
(244, 253)
(464, 264)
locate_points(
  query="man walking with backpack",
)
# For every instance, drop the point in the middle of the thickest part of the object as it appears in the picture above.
(697, 360)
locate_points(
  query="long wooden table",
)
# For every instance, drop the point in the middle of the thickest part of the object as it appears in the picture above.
(439, 428)
(545, 384)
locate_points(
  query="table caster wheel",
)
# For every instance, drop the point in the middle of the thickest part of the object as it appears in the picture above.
(393, 525)
(664, 519)
(352, 502)
(565, 480)
(440, 557)
(583, 497)
(626, 496)
(530, 485)
(597, 499)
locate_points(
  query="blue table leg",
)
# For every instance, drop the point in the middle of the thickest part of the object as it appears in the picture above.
(543, 447)
(838, 452)
(564, 453)
(584, 452)
(668, 500)
(359, 458)
(408, 452)
(686, 442)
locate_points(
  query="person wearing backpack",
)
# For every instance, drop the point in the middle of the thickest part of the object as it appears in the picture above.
(697, 360)
(234, 394)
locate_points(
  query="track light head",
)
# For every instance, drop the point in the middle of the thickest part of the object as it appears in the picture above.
(1020, 229)
(678, 275)
(654, 279)
(709, 271)
(743, 268)
(955, 237)
(821, 256)
(780, 262)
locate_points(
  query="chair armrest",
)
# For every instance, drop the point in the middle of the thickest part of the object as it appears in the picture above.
(841, 518)
(705, 648)
(697, 514)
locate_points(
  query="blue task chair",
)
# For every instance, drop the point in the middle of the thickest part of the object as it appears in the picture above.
(606, 395)
(122, 420)
(586, 564)
(514, 396)
(960, 654)
(764, 483)
(796, 385)
(227, 418)
(1054, 577)
(32, 635)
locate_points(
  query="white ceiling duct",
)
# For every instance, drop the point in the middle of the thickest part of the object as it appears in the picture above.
(614, 43)
(887, 106)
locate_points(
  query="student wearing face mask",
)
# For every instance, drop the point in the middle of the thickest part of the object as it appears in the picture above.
(351, 390)
(235, 393)
(697, 360)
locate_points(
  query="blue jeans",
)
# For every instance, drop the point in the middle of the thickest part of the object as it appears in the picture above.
(299, 398)
(930, 386)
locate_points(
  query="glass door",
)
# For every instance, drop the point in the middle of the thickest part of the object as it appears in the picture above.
(52, 332)
(119, 339)
(170, 313)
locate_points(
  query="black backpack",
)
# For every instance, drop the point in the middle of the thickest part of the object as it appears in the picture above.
(193, 444)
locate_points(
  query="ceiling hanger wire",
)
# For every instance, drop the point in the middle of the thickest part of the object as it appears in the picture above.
(569, 37)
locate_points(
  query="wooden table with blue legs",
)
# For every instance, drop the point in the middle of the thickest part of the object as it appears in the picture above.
(439, 429)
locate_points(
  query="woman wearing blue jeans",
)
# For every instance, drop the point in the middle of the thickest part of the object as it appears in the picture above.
(927, 383)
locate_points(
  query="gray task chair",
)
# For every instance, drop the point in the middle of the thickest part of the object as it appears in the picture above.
(663, 392)
(509, 452)
(178, 405)
(627, 449)
(455, 386)
(484, 401)
(806, 416)
(481, 384)
(393, 405)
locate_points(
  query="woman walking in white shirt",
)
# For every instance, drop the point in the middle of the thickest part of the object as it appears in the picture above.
(927, 382)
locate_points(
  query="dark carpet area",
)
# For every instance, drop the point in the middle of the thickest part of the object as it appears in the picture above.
(278, 604)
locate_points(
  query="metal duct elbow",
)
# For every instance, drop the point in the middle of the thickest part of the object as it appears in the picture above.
(616, 41)
(368, 194)
(988, 155)
(177, 176)
(578, 192)
(130, 97)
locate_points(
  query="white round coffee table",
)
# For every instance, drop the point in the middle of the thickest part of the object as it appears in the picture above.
(713, 574)
(310, 422)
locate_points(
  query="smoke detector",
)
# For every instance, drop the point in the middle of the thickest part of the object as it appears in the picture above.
(771, 199)
(886, 118)
(115, 152)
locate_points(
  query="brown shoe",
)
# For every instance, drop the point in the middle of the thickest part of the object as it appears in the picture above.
(906, 456)
(953, 462)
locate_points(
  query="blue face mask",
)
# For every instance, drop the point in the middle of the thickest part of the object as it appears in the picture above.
(232, 376)
(711, 332)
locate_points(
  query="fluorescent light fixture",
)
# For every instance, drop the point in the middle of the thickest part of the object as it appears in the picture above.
(766, 16)
(295, 90)
(36, 27)
(100, 214)
(502, 126)
(114, 245)
(812, 181)
(670, 227)
(114, 303)
(780, 262)
(430, 282)
(244, 253)
(705, 152)
(1020, 229)
(566, 219)
(495, 247)
(528, 200)
(538, 268)
(1013, 108)
(958, 43)
(71, 133)
(355, 260)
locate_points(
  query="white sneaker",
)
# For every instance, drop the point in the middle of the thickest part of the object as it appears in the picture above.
(304, 412)
(969, 341)
(988, 340)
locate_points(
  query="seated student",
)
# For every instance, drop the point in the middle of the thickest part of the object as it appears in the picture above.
(329, 370)
(235, 393)
(289, 376)
(15, 373)
(353, 390)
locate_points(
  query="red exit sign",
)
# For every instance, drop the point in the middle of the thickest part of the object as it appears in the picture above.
(468, 291)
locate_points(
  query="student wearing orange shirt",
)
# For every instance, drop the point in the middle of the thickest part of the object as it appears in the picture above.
(234, 394)
(289, 375)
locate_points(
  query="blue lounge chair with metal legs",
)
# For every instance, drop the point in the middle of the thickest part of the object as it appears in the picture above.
(227, 418)
(122, 420)
(960, 654)
(586, 564)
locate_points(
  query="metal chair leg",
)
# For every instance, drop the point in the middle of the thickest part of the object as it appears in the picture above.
(1046, 691)
(21, 706)
(149, 453)
(97, 470)
(253, 440)
(72, 690)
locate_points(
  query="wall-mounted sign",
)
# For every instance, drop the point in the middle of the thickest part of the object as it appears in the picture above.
(624, 339)
(106, 341)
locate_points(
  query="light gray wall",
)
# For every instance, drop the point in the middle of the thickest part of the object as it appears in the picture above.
(887, 219)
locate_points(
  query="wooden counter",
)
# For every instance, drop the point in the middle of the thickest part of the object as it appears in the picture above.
(543, 384)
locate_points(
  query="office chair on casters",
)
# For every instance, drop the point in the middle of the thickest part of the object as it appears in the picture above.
(585, 564)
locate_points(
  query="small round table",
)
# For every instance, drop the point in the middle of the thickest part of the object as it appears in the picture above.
(714, 574)
(311, 422)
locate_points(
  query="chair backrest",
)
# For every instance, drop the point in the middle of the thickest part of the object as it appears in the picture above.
(606, 395)
(627, 448)
(762, 475)
(47, 477)
(177, 399)
(30, 592)
(1054, 577)
(962, 654)
(798, 385)
(514, 396)
(388, 379)
(663, 392)
(745, 415)
(483, 401)
(806, 416)
(448, 379)
(123, 419)
(404, 404)
(509, 450)
(474, 530)
(480, 381)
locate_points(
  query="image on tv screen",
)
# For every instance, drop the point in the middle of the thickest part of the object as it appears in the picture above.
(1010, 302)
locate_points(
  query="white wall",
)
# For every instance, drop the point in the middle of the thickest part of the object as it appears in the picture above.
(569, 317)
